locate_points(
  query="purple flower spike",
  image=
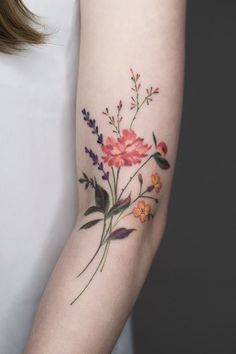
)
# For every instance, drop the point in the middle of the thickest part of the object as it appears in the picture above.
(92, 155)
(94, 158)
(106, 176)
(100, 139)
(100, 166)
(92, 124)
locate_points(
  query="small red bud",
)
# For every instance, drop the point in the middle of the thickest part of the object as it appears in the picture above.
(162, 148)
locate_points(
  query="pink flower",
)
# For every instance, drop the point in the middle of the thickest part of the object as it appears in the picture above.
(126, 150)
(162, 148)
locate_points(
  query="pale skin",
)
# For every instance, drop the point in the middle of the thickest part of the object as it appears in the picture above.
(147, 35)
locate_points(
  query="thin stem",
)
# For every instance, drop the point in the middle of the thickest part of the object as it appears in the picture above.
(86, 267)
(141, 195)
(93, 275)
(139, 106)
(131, 178)
(109, 229)
(96, 252)
(114, 179)
(120, 218)
(137, 100)
(112, 195)
(140, 189)
(105, 258)
(105, 234)
(116, 185)
(147, 196)
(118, 117)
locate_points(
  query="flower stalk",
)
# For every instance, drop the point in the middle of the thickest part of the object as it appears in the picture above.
(121, 150)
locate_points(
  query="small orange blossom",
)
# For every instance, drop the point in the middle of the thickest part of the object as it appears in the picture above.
(142, 210)
(156, 181)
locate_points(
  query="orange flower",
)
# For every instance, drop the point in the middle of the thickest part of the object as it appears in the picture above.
(142, 210)
(156, 181)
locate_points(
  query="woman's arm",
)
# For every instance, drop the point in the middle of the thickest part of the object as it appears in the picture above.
(131, 69)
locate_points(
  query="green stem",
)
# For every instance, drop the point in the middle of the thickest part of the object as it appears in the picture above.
(141, 195)
(105, 234)
(131, 178)
(139, 106)
(116, 185)
(118, 121)
(112, 195)
(140, 189)
(105, 258)
(147, 196)
(137, 101)
(90, 280)
(114, 180)
(96, 252)
(109, 229)
(120, 217)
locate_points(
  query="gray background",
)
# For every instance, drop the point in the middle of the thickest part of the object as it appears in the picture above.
(188, 303)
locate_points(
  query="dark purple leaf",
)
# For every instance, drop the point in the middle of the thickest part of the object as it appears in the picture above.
(120, 233)
(150, 188)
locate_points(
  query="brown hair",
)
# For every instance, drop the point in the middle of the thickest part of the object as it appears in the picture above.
(17, 27)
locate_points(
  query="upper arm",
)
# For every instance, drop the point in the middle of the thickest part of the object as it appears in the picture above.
(122, 158)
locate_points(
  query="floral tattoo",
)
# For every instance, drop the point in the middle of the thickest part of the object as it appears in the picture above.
(124, 148)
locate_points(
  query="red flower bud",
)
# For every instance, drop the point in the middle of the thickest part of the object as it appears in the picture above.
(162, 148)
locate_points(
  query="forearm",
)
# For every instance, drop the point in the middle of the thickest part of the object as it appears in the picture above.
(103, 267)
(94, 322)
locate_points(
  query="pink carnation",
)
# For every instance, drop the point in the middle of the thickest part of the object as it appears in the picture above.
(126, 150)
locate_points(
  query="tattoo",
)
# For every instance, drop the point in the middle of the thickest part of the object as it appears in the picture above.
(122, 149)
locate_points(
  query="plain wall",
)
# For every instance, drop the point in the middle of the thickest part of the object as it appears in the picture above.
(188, 303)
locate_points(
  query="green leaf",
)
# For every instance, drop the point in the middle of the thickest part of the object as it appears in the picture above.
(101, 198)
(93, 209)
(154, 139)
(119, 206)
(90, 224)
(161, 161)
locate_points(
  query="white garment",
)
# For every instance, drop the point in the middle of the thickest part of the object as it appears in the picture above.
(38, 184)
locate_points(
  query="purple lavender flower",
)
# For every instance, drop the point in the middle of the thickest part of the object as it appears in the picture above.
(106, 176)
(94, 158)
(92, 124)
